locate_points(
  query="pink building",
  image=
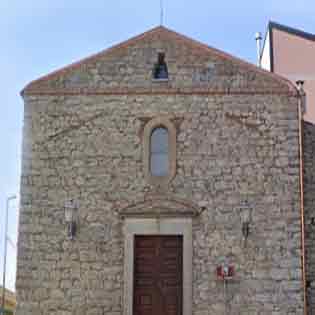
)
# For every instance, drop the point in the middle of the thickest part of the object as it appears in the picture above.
(290, 53)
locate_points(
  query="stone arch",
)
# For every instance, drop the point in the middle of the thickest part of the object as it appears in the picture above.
(161, 206)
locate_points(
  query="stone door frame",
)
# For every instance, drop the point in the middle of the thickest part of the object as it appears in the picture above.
(157, 226)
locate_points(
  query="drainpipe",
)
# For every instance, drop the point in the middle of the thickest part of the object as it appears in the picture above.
(301, 111)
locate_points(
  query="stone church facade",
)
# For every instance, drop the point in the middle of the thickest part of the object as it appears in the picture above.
(181, 168)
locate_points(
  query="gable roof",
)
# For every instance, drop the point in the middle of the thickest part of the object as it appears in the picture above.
(160, 30)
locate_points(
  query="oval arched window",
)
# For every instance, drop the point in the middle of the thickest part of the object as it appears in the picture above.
(159, 152)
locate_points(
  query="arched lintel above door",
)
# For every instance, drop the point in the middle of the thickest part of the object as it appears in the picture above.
(161, 206)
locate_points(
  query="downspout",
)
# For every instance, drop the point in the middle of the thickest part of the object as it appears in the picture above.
(301, 111)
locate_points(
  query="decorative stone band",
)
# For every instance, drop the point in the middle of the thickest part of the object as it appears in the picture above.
(158, 91)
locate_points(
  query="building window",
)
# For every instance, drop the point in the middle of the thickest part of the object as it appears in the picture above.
(159, 143)
(160, 71)
(159, 161)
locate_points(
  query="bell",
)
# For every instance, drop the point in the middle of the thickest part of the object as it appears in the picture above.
(160, 69)
(162, 72)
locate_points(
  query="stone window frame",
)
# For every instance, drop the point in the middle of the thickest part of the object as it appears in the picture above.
(154, 123)
(157, 226)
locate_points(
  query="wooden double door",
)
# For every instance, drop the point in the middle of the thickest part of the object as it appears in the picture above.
(158, 275)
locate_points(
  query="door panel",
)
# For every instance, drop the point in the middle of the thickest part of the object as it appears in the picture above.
(158, 275)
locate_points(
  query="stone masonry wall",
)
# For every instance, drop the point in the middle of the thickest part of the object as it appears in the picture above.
(98, 162)
(230, 147)
(309, 199)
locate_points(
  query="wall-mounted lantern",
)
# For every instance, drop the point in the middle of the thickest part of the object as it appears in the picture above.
(245, 214)
(71, 210)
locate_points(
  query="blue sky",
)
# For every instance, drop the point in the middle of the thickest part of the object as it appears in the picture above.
(38, 36)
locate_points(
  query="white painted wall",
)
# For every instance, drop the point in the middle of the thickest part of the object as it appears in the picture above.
(265, 57)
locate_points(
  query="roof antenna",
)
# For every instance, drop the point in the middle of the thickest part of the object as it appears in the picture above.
(162, 13)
